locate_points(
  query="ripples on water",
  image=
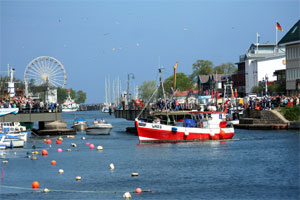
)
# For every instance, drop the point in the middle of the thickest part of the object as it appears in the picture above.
(254, 165)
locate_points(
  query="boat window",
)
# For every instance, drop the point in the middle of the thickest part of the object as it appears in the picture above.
(209, 116)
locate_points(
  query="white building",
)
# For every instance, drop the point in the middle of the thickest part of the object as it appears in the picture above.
(261, 61)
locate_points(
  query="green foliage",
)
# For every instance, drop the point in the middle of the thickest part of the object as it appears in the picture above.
(225, 68)
(19, 85)
(292, 114)
(80, 97)
(62, 94)
(146, 90)
(276, 89)
(205, 67)
(201, 67)
(183, 83)
(257, 89)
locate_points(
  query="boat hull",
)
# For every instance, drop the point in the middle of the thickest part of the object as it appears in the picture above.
(80, 127)
(98, 131)
(69, 109)
(150, 132)
(14, 143)
(22, 135)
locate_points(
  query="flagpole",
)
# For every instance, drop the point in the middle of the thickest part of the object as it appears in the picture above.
(276, 32)
(256, 42)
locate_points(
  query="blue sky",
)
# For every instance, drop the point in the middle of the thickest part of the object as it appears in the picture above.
(95, 39)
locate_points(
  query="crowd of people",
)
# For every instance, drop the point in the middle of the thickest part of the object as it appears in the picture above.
(270, 102)
(258, 103)
(29, 105)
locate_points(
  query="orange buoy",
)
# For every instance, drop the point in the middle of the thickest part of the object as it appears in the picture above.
(53, 162)
(35, 185)
(44, 152)
(138, 190)
(58, 141)
(222, 134)
(49, 141)
(87, 143)
(92, 146)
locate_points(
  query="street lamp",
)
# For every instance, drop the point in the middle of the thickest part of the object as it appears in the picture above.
(266, 83)
(128, 80)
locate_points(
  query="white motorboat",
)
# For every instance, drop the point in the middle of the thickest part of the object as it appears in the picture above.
(80, 124)
(6, 111)
(99, 129)
(14, 129)
(69, 104)
(11, 141)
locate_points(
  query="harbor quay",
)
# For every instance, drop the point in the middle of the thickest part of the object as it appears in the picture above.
(251, 119)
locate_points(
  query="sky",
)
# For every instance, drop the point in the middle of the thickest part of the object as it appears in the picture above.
(114, 38)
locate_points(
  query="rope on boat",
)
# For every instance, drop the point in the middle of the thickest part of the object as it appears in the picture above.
(147, 103)
(74, 191)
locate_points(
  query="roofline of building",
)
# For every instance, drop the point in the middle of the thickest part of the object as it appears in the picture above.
(270, 58)
(263, 44)
(288, 43)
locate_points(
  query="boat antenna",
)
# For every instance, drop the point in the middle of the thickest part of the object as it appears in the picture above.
(161, 83)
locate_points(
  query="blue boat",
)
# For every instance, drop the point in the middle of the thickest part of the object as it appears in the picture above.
(80, 124)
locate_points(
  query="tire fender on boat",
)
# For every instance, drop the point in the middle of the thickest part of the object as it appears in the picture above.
(211, 134)
(186, 133)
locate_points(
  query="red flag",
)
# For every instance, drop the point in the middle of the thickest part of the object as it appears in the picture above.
(278, 27)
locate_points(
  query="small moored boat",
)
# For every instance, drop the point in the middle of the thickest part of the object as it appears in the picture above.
(11, 141)
(101, 128)
(14, 129)
(80, 124)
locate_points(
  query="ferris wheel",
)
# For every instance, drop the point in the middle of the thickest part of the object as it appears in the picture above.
(45, 70)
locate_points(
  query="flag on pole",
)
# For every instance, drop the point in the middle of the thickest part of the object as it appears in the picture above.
(278, 27)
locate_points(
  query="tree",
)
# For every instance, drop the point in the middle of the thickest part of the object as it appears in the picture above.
(276, 89)
(257, 89)
(146, 90)
(225, 68)
(183, 83)
(80, 96)
(201, 67)
(62, 94)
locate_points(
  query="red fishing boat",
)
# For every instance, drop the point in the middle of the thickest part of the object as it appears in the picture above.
(181, 126)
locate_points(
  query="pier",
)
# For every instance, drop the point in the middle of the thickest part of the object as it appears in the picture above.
(31, 117)
(131, 114)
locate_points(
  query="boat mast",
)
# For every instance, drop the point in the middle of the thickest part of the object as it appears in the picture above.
(175, 70)
(105, 91)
